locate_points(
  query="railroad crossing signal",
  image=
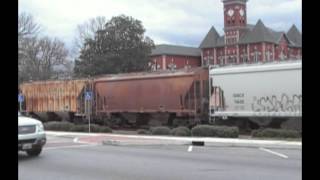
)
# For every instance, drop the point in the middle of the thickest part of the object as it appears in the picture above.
(20, 98)
(88, 95)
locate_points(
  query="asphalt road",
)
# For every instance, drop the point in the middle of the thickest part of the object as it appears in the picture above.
(64, 159)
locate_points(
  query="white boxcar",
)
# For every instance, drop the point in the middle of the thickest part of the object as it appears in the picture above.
(256, 90)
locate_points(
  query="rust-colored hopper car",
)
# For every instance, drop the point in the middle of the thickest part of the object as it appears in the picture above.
(52, 100)
(154, 98)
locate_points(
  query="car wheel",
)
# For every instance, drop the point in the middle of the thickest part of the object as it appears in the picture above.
(34, 152)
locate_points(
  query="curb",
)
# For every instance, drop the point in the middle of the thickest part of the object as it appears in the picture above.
(128, 143)
(199, 143)
(169, 140)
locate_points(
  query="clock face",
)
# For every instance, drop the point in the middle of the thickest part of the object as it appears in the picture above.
(230, 12)
(241, 12)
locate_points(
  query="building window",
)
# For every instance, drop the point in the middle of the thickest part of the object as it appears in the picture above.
(220, 60)
(154, 66)
(268, 55)
(256, 55)
(244, 57)
(205, 61)
(290, 53)
(172, 66)
(187, 66)
(231, 59)
(282, 55)
(210, 60)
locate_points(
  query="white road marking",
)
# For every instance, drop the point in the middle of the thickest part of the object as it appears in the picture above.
(273, 152)
(190, 149)
(75, 140)
(57, 142)
(75, 146)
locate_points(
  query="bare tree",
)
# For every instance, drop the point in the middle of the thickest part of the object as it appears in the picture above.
(40, 56)
(27, 26)
(27, 29)
(87, 30)
(63, 71)
(37, 57)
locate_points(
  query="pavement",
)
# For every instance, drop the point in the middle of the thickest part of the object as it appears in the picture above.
(125, 140)
(82, 157)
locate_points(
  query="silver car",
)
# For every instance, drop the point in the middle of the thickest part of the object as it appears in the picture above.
(31, 135)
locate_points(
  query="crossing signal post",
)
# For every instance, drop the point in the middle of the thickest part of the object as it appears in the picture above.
(20, 100)
(88, 105)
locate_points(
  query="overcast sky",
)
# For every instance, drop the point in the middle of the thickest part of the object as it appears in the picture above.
(181, 22)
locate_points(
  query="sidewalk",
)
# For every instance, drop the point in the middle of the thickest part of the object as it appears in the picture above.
(121, 140)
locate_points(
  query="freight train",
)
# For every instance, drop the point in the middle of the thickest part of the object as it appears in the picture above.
(252, 96)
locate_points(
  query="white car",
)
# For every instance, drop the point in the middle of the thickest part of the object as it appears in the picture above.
(31, 135)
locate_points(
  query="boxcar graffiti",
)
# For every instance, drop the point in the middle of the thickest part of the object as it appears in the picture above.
(274, 103)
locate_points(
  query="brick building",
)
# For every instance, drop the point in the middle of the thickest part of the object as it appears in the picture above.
(241, 42)
(174, 57)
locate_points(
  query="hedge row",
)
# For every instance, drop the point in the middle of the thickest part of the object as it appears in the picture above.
(143, 131)
(200, 130)
(160, 130)
(163, 130)
(276, 133)
(58, 126)
(66, 126)
(180, 131)
(215, 131)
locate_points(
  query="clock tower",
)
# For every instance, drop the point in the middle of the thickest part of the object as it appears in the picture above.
(235, 19)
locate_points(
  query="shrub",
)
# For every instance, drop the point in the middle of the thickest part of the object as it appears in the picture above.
(202, 130)
(181, 131)
(160, 130)
(94, 127)
(80, 128)
(143, 131)
(58, 126)
(275, 133)
(226, 131)
(66, 126)
(215, 131)
(105, 129)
